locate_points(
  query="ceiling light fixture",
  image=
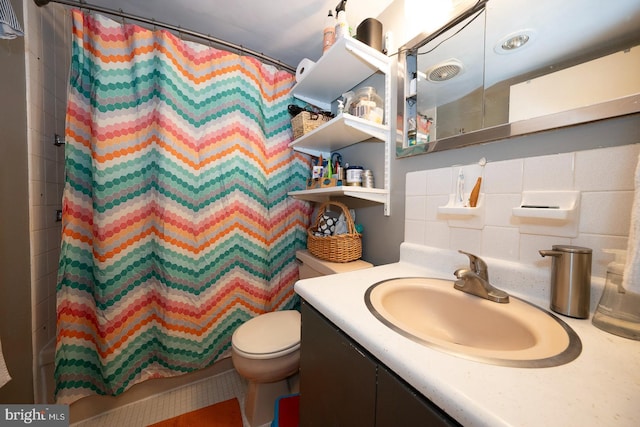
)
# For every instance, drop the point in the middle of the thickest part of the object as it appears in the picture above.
(514, 41)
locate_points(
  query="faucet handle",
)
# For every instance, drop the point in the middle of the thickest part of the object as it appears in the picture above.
(477, 265)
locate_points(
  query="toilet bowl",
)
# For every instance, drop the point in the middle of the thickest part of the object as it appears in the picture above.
(266, 351)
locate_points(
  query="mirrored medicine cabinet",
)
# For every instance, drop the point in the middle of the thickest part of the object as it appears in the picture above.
(504, 68)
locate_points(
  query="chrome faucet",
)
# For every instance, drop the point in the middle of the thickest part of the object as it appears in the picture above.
(475, 280)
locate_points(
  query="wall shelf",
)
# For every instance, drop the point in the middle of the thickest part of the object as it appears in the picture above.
(340, 132)
(377, 195)
(346, 64)
(462, 216)
(452, 209)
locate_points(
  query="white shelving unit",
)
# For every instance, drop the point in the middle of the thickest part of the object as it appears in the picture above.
(341, 68)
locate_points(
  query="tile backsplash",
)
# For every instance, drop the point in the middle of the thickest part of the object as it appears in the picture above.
(603, 177)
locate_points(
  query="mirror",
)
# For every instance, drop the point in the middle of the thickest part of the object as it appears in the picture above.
(463, 88)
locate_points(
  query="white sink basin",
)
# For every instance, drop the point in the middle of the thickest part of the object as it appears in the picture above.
(433, 313)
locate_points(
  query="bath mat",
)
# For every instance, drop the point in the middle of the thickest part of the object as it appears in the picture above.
(222, 414)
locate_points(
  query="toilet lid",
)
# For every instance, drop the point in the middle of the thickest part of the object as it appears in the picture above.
(268, 333)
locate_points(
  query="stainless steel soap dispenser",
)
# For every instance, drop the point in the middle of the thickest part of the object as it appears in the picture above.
(570, 280)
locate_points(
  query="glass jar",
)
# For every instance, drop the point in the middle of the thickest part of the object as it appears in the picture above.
(354, 175)
(368, 105)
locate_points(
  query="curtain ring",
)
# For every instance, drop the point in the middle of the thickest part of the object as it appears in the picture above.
(84, 9)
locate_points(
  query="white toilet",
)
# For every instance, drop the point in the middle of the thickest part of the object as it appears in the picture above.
(266, 349)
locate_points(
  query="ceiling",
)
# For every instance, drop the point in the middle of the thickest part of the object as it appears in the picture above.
(287, 30)
(290, 30)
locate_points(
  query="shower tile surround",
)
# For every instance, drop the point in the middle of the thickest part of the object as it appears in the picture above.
(48, 53)
(604, 177)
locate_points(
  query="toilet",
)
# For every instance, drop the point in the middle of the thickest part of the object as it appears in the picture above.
(266, 349)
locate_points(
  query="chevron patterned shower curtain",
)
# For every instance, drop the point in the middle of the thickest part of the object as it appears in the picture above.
(176, 222)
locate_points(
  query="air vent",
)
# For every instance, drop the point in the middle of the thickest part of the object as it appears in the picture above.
(444, 71)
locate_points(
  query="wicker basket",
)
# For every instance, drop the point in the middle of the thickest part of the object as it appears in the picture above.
(305, 122)
(340, 248)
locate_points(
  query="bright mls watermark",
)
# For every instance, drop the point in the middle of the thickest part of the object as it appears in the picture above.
(36, 415)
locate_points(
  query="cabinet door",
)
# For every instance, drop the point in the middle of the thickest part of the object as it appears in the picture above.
(398, 404)
(337, 381)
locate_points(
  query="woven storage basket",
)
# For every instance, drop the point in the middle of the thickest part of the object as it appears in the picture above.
(305, 122)
(340, 248)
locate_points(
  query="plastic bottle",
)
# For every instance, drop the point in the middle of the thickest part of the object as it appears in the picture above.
(342, 26)
(329, 32)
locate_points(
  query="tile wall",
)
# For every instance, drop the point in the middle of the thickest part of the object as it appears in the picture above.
(604, 177)
(48, 41)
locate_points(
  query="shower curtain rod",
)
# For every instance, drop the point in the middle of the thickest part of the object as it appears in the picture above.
(179, 30)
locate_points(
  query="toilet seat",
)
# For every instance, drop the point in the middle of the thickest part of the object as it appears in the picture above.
(268, 336)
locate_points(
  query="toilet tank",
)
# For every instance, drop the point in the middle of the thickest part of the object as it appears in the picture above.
(311, 266)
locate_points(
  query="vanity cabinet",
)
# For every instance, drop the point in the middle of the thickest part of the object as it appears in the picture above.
(341, 384)
(345, 65)
(337, 380)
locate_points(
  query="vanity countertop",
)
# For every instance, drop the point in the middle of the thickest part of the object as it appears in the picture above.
(600, 388)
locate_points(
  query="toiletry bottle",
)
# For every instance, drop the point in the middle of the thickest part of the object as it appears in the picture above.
(342, 26)
(329, 32)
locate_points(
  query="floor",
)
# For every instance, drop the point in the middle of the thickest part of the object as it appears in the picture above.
(185, 398)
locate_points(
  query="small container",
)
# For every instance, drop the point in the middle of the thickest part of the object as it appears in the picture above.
(411, 138)
(354, 175)
(369, 32)
(317, 172)
(424, 128)
(329, 32)
(367, 179)
(570, 280)
(618, 311)
(368, 105)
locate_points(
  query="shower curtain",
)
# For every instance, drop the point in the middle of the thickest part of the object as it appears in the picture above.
(177, 227)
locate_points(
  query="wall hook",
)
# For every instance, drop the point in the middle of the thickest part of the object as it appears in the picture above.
(58, 140)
